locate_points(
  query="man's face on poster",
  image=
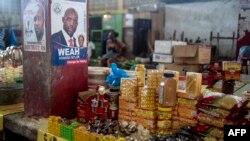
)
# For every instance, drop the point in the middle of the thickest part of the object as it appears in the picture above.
(70, 21)
(39, 23)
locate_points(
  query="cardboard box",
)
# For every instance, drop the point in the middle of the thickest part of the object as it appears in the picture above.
(165, 47)
(192, 54)
(181, 68)
(162, 58)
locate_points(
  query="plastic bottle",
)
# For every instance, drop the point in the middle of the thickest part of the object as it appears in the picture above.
(167, 94)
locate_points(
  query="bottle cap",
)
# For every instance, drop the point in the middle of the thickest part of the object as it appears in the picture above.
(182, 78)
(168, 75)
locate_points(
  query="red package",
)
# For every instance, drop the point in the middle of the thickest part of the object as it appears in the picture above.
(220, 100)
(210, 120)
(221, 113)
(208, 131)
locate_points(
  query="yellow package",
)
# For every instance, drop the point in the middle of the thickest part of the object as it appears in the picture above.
(187, 101)
(193, 83)
(164, 124)
(187, 113)
(146, 113)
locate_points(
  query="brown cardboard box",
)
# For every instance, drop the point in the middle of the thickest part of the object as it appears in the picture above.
(192, 54)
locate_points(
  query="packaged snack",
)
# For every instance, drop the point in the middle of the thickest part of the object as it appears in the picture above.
(147, 98)
(209, 131)
(228, 102)
(209, 120)
(147, 114)
(184, 94)
(164, 113)
(187, 101)
(140, 72)
(187, 113)
(221, 113)
(193, 83)
(191, 122)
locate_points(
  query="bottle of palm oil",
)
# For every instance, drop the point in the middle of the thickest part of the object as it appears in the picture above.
(167, 93)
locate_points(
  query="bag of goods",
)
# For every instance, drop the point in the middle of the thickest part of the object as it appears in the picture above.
(191, 122)
(187, 113)
(193, 83)
(209, 131)
(221, 113)
(220, 100)
(210, 120)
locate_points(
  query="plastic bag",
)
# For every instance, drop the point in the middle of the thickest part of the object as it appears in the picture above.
(114, 78)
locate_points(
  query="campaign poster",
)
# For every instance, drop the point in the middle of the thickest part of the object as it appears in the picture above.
(68, 31)
(34, 25)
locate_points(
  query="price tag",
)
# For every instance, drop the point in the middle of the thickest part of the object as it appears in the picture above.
(44, 136)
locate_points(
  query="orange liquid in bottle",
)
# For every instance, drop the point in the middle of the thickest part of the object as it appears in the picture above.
(167, 94)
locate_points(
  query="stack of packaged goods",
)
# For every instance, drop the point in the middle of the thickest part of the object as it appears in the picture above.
(216, 110)
(187, 101)
(146, 114)
(153, 81)
(54, 125)
(167, 102)
(128, 99)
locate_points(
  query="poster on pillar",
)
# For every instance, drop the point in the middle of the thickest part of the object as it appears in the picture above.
(68, 32)
(34, 25)
(243, 42)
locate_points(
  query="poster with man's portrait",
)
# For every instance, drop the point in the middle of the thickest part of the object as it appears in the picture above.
(68, 31)
(34, 25)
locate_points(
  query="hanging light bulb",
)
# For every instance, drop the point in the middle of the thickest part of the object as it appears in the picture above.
(107, 16)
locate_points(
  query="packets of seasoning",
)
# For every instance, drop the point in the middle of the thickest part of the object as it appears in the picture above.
(129, 87)
(187, 113)
(193, 83)
(191, 122)
(147, 98)
(147, 114)
(140, 72)
(228, 102)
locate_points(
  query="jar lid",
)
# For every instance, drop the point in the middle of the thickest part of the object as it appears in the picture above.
(165, 109)
(168, 75)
